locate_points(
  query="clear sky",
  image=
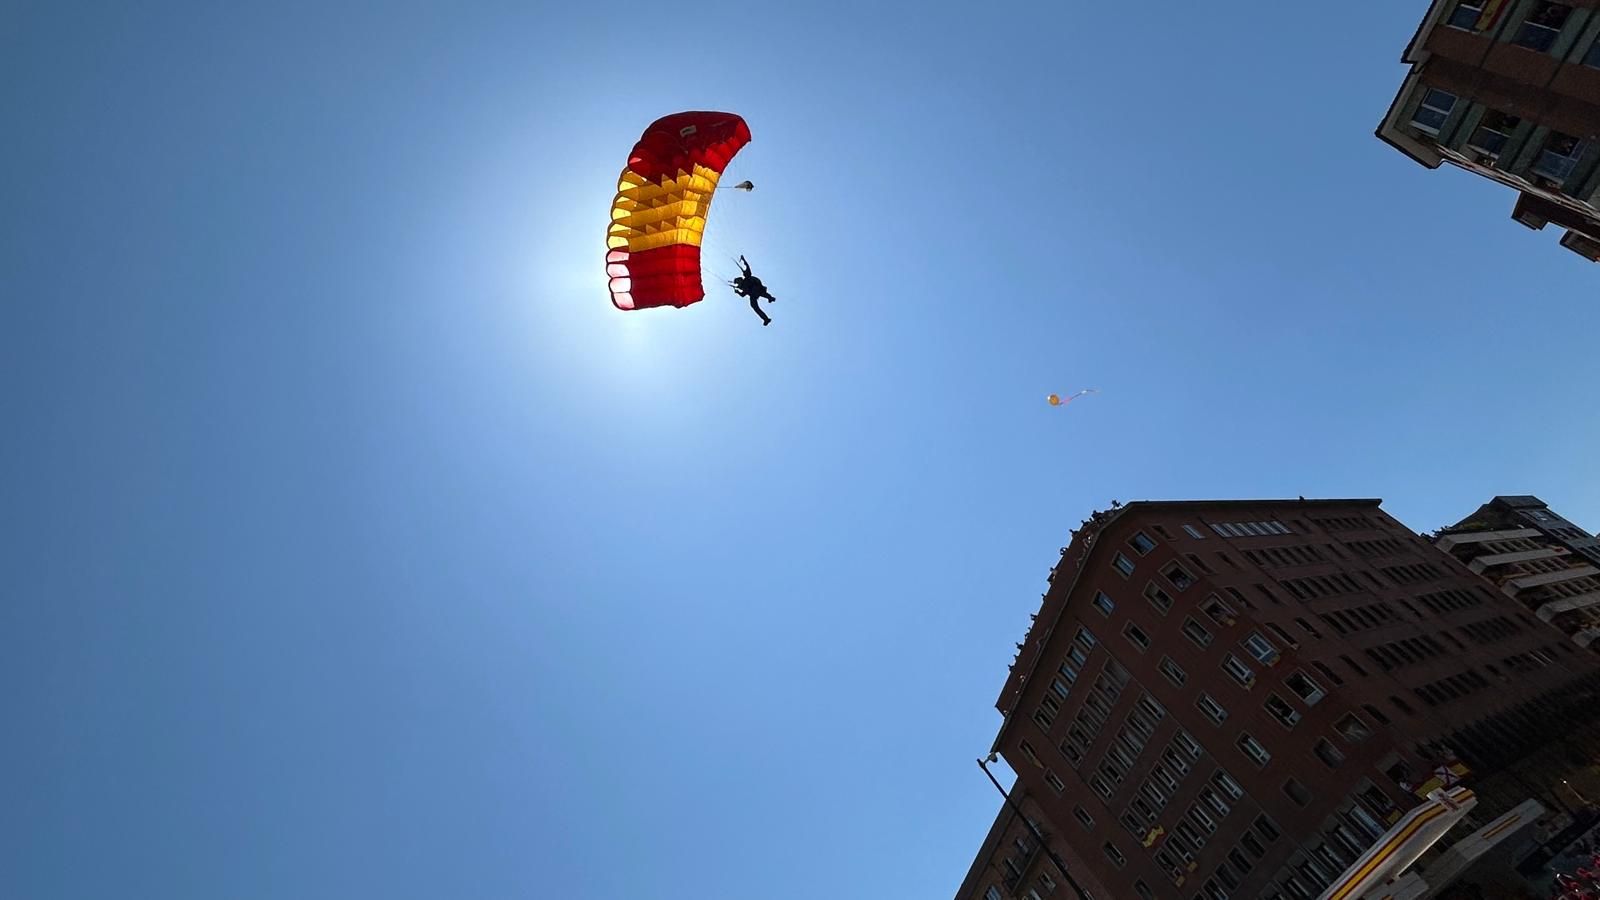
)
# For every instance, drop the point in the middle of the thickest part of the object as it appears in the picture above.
(354, 546)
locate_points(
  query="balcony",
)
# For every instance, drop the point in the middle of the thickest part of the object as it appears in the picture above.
(1450, 541)
(1554, 608)
(1506, 559)
(1516, 586)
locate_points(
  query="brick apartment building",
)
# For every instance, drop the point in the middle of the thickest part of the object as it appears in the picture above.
(1510, 90)
(1237, 698)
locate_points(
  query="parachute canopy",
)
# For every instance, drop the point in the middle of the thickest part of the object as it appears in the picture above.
(659, 214)
(1058, 400)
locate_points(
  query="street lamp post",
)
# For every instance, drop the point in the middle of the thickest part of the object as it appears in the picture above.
(1037, 836)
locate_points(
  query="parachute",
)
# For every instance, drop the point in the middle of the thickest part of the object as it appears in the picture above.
(1058, 400)
(663, 198)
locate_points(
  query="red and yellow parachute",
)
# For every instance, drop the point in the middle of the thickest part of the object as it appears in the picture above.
(659, 214)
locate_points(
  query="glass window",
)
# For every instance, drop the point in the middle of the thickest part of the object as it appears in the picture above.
(1252, 844)
(1236, 668)
(1560, 156)
(1540, 30)
(1592, 58)
(993, 893)
(1261, 648)
(1136, 634)
(1281, 710)
(1122, 564)
(1434, 109)
(1212, 709)
(1187, 744)
(1492, 133)
(1158, 598)
(1141, 543)
(1193, 532)
(1085, 638)
(1083, 817)
(1352, 729)
(1253, 749)
(1297, 792)
(1055, 782)
(1304, 688)
(1173, 671)
(1178, 575)
(1228, 786)
(1218, 611)
(1213, 802)
(1196, 632)
(1115, 855)
(1466, 14)
(1104, 603)
(1328, 753)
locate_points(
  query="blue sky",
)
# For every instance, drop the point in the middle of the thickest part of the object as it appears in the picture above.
(355, 546)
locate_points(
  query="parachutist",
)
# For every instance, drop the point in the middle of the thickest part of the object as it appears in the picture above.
(748, 285)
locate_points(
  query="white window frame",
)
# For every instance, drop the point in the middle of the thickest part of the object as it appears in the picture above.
(1239, 671)
(1422, 104)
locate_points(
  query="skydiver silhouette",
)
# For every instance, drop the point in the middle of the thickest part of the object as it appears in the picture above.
(748, 285)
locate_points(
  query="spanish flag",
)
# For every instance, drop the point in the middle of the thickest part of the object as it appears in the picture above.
(659, 214)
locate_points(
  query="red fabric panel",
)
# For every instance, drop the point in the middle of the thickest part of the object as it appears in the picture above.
(665, 150)
(665, 276)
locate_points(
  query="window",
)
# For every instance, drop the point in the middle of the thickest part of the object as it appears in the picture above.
(1055, 782)
(1217, 611)
(1197, 633)
(1213, 802)
(1099, 786)
(1307, 628)
(1401, 705)
(1227, 785)
(1328, 753)
(1115, 855)
(1297, 792)
(1143, 890)
(1282, 711)
(1158, 598)
(1327, 673)
(1376, 715)
(1253, 749)
(1560, 156)
(1199, 563)
(1187, 744)
(1282, 635)
(1123, 564)
(1261, 648)
(1212, 709)
(1135, 634)
(1193, 532)
(1202, 820)
(1104, 603)
(1141, 543)
(1027, 750)
(1592, 58)
(1083, 817)
(1304, 688)
(993, 893)
(1540, 30)
(1352, 729)
(1173, 671)
(1466, 14)
(1085, 638)
(1492, 133)
(1046, 882)
(1354, 667)
(1434, 109)
(1236, 669)
(1150, 707)
(1178, 575)
(1264, 827)
(1252, 845)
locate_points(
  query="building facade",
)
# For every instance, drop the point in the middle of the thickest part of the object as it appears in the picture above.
(1510, 90)
(1238, 698)
(1537, 558)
